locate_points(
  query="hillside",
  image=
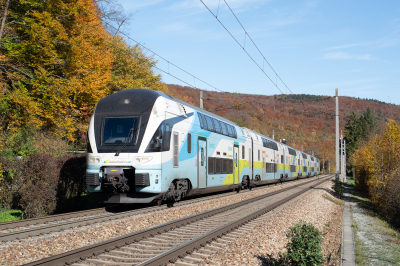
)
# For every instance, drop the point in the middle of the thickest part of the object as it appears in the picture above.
(303, 120)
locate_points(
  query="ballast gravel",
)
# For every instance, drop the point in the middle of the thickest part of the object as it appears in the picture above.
(31, 249)
(267, 240)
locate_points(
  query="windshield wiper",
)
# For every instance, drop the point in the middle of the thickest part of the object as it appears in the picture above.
(130, 136)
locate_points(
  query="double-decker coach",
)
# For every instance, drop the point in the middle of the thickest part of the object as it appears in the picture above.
(145, 146)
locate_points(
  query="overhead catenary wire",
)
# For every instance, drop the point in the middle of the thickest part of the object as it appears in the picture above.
(166, 60)
(257, 47)
(261, 68)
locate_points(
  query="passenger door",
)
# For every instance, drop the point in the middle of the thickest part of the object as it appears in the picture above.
(264, 166)
(236, 164)
(202, 162)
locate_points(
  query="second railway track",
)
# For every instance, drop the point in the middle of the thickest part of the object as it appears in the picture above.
(165, 243)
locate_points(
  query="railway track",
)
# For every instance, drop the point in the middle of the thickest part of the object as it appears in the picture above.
(54, 223)
(189, 239)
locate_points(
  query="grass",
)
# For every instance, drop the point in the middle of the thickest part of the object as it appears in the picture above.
(336, 201)
(10, 215)
(357, 243)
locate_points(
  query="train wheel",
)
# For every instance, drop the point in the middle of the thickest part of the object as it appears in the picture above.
(159, 202)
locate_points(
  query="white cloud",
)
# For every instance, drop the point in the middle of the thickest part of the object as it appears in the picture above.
(343, 46)
(347, 56)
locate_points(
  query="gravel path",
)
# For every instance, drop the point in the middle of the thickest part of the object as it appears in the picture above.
(31, 249)
(269, 238)
(378, 248)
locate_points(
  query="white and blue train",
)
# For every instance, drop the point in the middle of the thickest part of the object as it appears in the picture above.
(146, 146)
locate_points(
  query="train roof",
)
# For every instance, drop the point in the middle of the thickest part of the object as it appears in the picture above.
(197, 108)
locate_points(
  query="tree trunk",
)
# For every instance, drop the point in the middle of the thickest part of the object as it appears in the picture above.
(3, 22)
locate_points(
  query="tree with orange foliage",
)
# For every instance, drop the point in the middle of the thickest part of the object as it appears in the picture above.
(378, 170)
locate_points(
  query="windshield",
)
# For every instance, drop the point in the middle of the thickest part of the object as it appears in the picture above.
(117, 130)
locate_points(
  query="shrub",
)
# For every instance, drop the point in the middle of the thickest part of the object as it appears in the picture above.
(38, 198)
(304, 247)
(338, 187)
(11, 182)
(72, 182)
(41, 183)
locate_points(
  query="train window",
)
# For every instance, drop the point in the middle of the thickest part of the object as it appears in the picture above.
(218, 165)
(225, 166)
(298, 162)
(176, 149)
(242, 152)
(234, 132)
(189, 143)
(258, 155)
(201, 120)
(218, 153)
(236, 159)
(230, 133)
(210, 125)
(120, 130)
(217, 125)
(203, 117)
(224, 153)
(224, 130)
(282, 159)
(211, 165)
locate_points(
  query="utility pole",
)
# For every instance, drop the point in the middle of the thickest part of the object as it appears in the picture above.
(337, 136)
(273, 134)
(329, 165)
(201, 99)
(344, 161)
(341, 157)
(323, 165)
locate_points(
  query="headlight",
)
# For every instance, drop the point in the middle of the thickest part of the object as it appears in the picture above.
(142, 160)
(94, 160)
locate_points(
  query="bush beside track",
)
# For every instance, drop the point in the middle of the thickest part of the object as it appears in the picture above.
(42, 184)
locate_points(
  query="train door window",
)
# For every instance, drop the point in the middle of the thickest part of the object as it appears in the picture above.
(189, 143)
(210, 125)
(282, 159)
(176, 149)
(258, 155)
(218, 168)
(202, 157)
(250, 155)
(224, 130)
(236, 159)
(242, 152)
(211, 165)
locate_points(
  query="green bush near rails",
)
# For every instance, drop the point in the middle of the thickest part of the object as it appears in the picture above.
(303, 248)
(338, 187)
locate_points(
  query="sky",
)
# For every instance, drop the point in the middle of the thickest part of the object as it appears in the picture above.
(313, 46)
